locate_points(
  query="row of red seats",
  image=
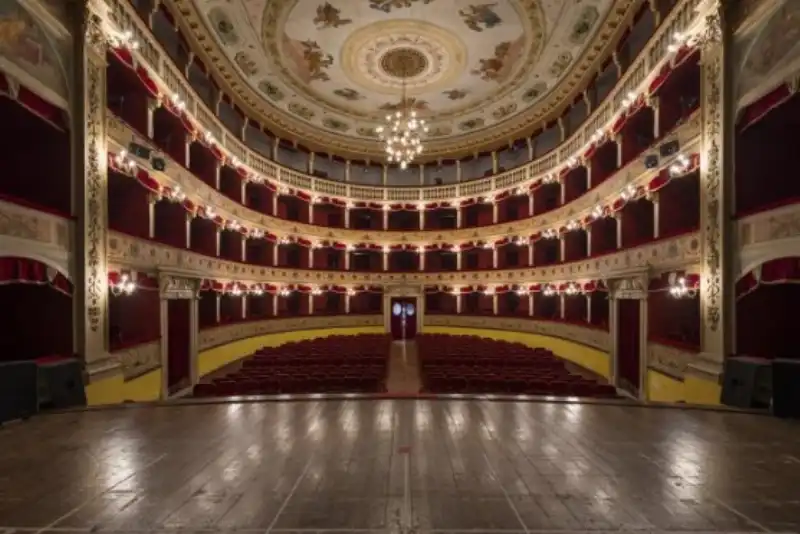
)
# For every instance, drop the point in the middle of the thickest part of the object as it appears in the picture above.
(469, 364)
(336, 364)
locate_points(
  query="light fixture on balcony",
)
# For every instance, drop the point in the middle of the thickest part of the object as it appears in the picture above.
(404, 132)
(123, 163)
(256, 233)
(572, 289)
(629, 99)
(679, 287)
(284, 292)
(236, 291)
(598, 212)
(550, 233)
(573, 225)
(628, 193)
(549, 291)
(316, 291)
(680, 166)
(351, 292)
(176, 195)
(257, 291)
(123, 286)
(522, 292)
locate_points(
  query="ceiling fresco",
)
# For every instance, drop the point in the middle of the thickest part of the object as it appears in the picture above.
(471, 67)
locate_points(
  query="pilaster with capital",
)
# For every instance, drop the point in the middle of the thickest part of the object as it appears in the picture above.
(716, 191)
(90, 187)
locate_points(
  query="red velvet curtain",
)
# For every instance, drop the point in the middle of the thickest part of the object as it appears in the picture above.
(37, 318)
(203, 164)
(134, 319)
(575, 183)
(170, 135)
(170, 223)
(230, 184)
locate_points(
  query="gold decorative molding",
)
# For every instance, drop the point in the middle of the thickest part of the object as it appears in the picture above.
(680, 252)
(584, 335)
(669, 360)
(767, 236)
(635, 173)
(139, 359)
(222, 335)
(27, 232)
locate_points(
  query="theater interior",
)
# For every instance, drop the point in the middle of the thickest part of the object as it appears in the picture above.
(399, 266)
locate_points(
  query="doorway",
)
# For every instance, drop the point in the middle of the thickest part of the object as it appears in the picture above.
(403, 318)
(178, 345)
(629, 346)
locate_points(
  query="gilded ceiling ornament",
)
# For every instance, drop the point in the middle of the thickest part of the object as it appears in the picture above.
(367, 132)
(440, 131)
(223, 26)
(504, 111)
(271, 91)
(348, 94)
(534, 92)
(495, 67)
(329, 16)
(455, 94)
(301, 111)
(246, 63)
(410, 103)
(583, 27)
(471, 124)
(560, 64)
(479, 15)
(387, 5)
(335, 124)
(317, 61)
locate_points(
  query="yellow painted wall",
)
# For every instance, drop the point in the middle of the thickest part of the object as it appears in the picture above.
(691, 390)
(115, 390)
(590, 358)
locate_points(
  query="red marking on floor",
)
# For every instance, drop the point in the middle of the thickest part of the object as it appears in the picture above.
(405, 449)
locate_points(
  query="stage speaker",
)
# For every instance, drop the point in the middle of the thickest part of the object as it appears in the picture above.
(159, 164)
(670, 148)
(61, 383)
(140, 151)
(18, 390)
(747, 382)
(651, 161)
(786, 388)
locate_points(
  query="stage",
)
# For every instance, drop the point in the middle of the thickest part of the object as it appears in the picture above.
(399, 466)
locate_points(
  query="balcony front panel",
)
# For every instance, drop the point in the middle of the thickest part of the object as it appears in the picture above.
(682, 252)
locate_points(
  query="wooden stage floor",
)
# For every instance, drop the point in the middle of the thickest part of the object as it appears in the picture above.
(401, 466)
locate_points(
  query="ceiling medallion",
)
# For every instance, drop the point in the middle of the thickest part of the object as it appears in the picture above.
(403, 63)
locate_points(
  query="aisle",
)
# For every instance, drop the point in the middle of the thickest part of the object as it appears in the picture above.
(403, 368)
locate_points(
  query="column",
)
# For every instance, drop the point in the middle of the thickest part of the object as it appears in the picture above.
(218, 239)
(311, 211)
(244, 305)
(347, 302)
(217, 175)
(347, 258)
(458, 259)
(385, 175)
(716, 192)
(530, 255)
(274, 304)
(421, 253)
(218, 304)
(311, 303)
(530, 304)
(561, 311)
(385, 218)
(458, 217)
(151, 215)
(618, 218)
(495, 303)
(654, 103)
(187, 152)
(347, 216)
(589, 308)
(618, 141)
(244, 248)
(152, 106)
(421, 218)
(275, 255)
(530, 203)
(495, 256)
(495, 164)
(347, 171)
(588, 231)
(458, 302)
(422, 175)
(562, 247)
(495, 211)
(189, 218)
(310, 257)
(613, 326)
(385, 260)
(311, 162)
(656, 215)
(194, 337)
(90, 190)
(458, 170)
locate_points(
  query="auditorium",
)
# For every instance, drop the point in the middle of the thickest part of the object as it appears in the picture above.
(399, 266)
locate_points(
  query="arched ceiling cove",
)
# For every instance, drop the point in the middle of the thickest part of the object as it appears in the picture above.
(326, 72)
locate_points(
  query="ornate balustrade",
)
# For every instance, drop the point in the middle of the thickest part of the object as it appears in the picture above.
(171, 81)
(668, 359)
(29, 232)
(675, 253)
(634, 174)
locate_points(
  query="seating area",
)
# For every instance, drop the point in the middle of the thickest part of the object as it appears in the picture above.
(335, 364)
(471, 364)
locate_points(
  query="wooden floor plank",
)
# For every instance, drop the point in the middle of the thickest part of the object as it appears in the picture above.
(397, 465)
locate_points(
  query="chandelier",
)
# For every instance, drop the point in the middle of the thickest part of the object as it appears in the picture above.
(403, 133)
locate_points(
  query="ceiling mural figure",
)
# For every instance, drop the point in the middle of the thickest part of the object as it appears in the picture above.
(479, 17)
(331, 68)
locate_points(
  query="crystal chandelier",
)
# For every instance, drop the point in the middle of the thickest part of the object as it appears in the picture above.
(403, 133)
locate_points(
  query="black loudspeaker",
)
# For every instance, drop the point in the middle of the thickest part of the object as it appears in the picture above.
(786, 388)
(61, 383)
(651, 161)
(159, 164)
(670, 148)
(747, 382)
(140, 151)
(18, 390)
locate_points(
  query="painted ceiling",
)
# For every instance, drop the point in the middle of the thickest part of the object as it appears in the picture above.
(477, 71)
